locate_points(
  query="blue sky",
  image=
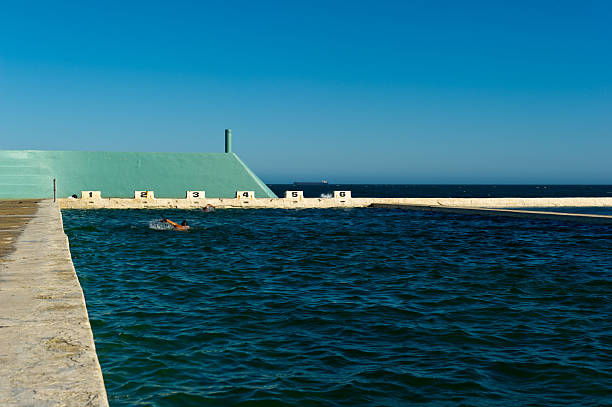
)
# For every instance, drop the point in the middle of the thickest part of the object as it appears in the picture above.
(369, 91)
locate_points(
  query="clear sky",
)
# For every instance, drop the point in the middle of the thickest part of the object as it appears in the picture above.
(348, 91)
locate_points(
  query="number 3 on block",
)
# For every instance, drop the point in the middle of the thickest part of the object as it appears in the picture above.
(195, 195)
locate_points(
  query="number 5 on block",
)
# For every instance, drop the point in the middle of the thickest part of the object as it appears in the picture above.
(294, 194)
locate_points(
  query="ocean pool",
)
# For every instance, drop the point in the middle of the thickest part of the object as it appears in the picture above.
(346, 307)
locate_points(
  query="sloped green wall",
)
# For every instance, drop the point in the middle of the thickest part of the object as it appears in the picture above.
(29, 174)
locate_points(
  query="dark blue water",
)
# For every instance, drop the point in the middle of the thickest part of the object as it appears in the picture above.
(447, 191)
(357, 307)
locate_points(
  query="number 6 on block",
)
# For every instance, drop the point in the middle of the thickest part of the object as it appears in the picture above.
(342, 194)
(195, 195)
(245, 194)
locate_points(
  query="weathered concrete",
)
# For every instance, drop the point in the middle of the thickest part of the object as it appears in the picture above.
(14, 215)
(291, 203)
(47, 352)
(571, 217)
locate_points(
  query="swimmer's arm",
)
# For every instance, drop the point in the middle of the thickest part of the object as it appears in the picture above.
(172, 223)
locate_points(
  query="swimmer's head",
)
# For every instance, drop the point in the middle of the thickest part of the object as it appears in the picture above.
(184, 223)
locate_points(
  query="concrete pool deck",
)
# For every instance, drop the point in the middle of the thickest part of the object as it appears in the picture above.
(310, 203)
(47, 352)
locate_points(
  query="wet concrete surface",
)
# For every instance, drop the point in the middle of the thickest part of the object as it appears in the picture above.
(14, 216)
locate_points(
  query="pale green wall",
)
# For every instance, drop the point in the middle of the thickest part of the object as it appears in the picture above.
(29, 174)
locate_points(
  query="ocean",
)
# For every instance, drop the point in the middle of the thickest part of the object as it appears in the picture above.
(346, 307)
(447, 191)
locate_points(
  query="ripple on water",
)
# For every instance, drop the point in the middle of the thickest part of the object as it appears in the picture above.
(346, 308)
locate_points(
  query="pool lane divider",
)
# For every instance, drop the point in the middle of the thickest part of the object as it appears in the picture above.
(47, 351)
(515, 213)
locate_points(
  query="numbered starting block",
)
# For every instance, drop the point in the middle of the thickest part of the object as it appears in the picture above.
(144, 195)
(195, 195)
(295, 195)
(245, 195)
(91, 195)
(342, 195)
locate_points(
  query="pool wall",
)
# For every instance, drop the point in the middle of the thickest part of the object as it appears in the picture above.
(30, 174)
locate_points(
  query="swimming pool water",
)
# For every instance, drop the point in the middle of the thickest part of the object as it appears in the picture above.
(354, 307)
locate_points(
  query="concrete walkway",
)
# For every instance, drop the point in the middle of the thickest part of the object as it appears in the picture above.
(47, 352)
(302, 203)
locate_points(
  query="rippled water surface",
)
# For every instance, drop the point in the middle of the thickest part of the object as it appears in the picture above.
(355, 307)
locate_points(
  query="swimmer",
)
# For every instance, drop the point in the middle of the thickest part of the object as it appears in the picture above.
(209, 208)
(182, 226)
